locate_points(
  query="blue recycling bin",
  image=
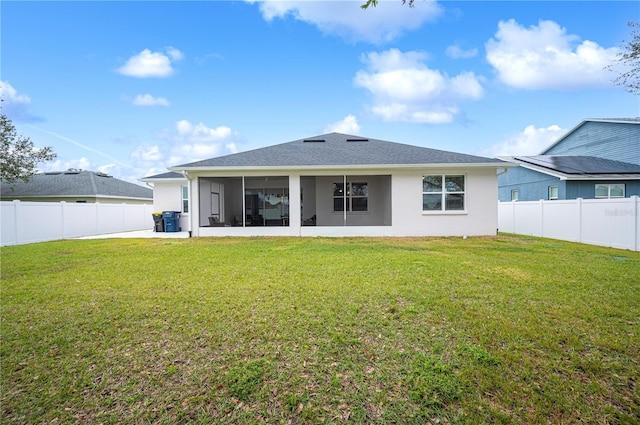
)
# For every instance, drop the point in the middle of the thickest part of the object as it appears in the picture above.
(171, 221)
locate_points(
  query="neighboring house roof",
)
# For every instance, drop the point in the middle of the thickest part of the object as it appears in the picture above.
(591, 120)
(335, 150)
(567, 167)
(75, 183)
(166, 177)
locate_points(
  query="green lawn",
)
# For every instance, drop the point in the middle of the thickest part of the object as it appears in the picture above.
(505, 329)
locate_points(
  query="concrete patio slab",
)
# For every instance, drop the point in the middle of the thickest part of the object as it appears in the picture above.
(148, 233)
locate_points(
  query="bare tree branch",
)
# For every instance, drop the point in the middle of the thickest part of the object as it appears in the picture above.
(374, 3)
(629, 58)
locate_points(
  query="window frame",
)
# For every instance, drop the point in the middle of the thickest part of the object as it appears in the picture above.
(609, 187)
(443, 192)
(184, 195)
(557, 194)
(515, 192)
(349, 197)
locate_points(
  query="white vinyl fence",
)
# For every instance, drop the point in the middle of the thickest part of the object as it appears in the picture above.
(606, 222)
(28, 222)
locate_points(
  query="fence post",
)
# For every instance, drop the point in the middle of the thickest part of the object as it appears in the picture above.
(542, 218)
(63, 212)
(16, 220)
(513, 216)
(636, 230)
(97, 206)
(579, 203)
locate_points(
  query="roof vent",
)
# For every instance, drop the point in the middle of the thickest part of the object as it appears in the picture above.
(101, 174)
(73, 171)
(357, 140)
(52, 173)
(313, 140)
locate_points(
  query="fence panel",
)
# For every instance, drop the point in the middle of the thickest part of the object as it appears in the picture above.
(560, 220)
(28, 222)
(609, 223)
(606, 222)
(79, 220)
(527, 218)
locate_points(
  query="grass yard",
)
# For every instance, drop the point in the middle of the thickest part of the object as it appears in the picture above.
(505, 329)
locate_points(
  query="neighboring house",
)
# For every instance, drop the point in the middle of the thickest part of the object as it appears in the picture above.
(334, 185)
(599, 158)
(76, 186)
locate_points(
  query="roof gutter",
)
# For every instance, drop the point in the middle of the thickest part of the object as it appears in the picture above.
(189, 180)
(343, 166)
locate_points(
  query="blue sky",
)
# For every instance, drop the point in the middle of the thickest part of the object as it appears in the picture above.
(133, 87)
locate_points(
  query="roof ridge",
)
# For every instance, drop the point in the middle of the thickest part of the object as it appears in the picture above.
(92, 177)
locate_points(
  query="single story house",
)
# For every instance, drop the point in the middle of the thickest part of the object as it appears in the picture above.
(599, 158)
(334, 185)
(76, 185)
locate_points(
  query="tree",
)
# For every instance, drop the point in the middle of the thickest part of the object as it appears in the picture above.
(18, 156)
(630, 59)
(374, 3)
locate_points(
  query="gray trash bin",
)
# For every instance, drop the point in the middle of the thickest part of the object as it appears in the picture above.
(158, 222)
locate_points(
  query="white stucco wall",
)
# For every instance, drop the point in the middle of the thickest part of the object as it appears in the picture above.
(481, 210)
(167, 196)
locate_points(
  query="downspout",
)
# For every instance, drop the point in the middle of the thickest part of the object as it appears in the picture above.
(344, 200)
(244, 204)
(186, 176)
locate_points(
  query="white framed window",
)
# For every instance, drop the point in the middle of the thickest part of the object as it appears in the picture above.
(614, 190)
(515, 194)
(356, 197)
(441, 192)
(553, 192)
(185, 199)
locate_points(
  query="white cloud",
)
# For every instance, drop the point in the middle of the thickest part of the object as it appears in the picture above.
(457, 52)
(532, 141)
(148, 100)
(208, 57)
(197, 142)
(347, 125)
(201, 133)
(82, 163)
(175, 54)
(151, 64)
(186, 142)
(14, 104)
(10, 95)
(546, 57)
(403, 88)
(147, 153)
(389, 20)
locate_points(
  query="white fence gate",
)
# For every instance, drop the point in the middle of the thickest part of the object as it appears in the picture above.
(28, 222)
(606, 222)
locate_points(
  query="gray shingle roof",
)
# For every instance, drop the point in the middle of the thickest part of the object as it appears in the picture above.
(74, 183)
(336, 149)
(164, 176)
